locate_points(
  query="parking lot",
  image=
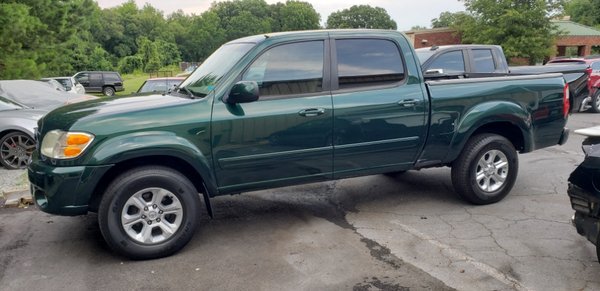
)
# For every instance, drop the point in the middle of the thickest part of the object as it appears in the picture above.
(369, 233)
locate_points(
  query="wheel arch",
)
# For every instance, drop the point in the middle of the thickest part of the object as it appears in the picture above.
(158, 148)
(173, 162)
(505, 119)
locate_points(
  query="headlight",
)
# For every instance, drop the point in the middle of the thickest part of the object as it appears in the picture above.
(58, 144)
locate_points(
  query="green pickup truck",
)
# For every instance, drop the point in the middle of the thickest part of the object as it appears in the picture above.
(279, 109)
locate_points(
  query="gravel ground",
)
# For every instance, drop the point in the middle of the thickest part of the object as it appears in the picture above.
(12, 180)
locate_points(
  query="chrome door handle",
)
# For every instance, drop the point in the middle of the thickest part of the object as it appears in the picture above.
(408, 102)
(311, 112)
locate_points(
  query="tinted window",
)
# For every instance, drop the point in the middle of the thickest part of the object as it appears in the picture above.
(95, 76)
(111, 77)
(295, 68)
(424, 54)
(368, 62)
(65, 82)
(154, 86)
(83, 77)
(595, 66)
(484, 61)
(173, 83)
(450, 62)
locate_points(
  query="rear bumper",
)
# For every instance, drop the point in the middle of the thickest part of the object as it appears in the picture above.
(63, 190)
(587, 211)
(564, 136)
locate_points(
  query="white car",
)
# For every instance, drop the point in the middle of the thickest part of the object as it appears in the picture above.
(71, 85)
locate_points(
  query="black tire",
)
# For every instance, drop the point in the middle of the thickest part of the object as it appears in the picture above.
(16, 149)
(596, 101)
(491, 150)
(118, 201)
(108, 91)
(598, 248)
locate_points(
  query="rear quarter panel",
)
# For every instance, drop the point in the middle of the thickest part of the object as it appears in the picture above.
(459, 107)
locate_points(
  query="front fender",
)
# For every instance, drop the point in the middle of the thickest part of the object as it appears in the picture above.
(487, 114)
(114, 150)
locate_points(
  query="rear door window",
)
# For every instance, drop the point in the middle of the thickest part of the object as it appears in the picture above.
(111, 78)
(95, 77)
(368, 62)
(483, 61)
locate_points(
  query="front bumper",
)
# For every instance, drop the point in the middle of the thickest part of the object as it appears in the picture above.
(587, 213)
(63, 190)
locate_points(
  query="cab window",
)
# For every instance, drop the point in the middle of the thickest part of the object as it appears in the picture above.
(483, 61)
(368, 62)
(450, 62)
(289, 69)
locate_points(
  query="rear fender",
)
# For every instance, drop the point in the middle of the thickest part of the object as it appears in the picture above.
(488, 114)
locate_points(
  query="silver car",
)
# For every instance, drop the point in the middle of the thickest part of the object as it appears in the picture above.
(69, 83)
(17, 123)
(38, 94)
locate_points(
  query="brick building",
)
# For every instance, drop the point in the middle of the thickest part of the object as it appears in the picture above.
(582, 39)
(434, 36)
(575, 39)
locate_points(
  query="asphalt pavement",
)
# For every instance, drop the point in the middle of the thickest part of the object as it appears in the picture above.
(408, 232)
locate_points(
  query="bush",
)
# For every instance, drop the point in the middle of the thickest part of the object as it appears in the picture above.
(129, 64)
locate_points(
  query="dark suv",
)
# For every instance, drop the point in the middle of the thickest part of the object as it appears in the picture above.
(98, 81)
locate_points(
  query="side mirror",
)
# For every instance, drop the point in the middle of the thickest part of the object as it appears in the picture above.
(434, 72)
(68, 88)
(242, 92)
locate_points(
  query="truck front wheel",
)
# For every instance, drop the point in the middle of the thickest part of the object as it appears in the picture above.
(149, 212)
(486, 170)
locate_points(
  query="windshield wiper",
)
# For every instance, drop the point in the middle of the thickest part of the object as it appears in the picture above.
(186, 90)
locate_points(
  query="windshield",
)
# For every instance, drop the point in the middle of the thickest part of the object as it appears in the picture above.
(205, 77)
(7, 104)
(424, 54)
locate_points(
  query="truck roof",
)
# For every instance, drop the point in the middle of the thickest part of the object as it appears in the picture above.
(260, 37)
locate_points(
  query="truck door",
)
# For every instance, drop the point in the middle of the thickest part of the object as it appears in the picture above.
(379, 110)
(286, 136)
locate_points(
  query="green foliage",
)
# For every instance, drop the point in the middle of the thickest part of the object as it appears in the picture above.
(129, 64)
(418, 27)
(148, 52)
(361, 16)
(586, 12)
(295, 15)
(522, 28)
(18, 57)
(451, 19)
(42, 38)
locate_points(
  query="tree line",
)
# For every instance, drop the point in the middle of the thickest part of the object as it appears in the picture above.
(61, 37)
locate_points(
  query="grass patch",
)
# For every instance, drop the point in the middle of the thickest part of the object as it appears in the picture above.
(132, 82)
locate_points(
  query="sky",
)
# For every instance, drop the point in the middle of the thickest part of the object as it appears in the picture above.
(406, 13)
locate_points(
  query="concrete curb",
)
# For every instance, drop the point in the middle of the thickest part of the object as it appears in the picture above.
(17, 198)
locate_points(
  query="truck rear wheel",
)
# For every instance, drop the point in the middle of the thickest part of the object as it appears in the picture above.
(598, 248)
(486, 170)
(108, 91)
(149, 212)
(596, 101)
